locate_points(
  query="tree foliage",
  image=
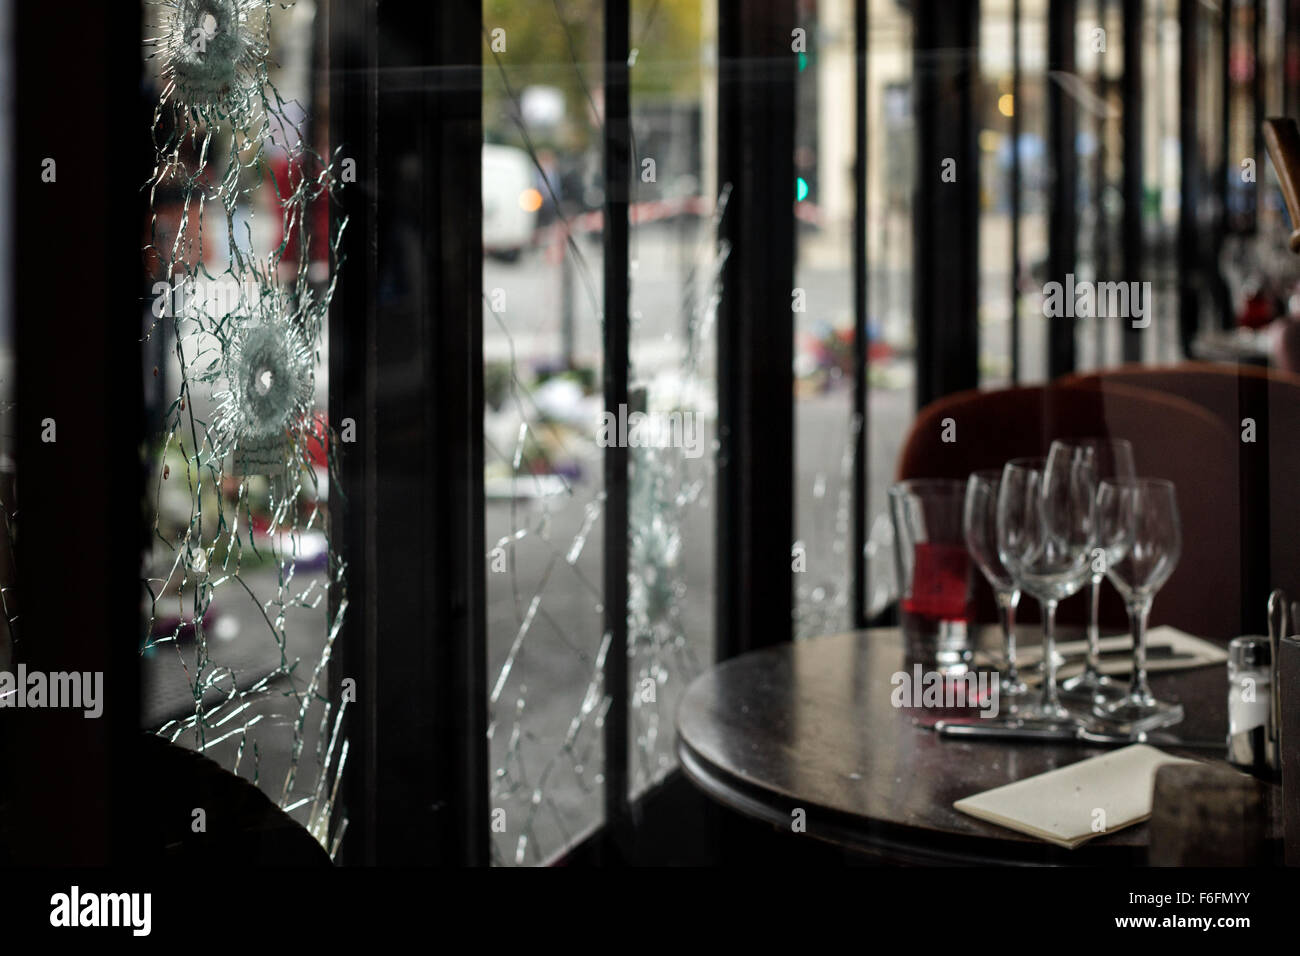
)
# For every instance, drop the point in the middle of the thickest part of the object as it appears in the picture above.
(560, 43)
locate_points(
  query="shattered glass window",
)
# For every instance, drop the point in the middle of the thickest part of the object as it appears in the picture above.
(891, 373)
(826, 428)
(243, 593)
(542, 234)
(676, 261)
(543, 483)
(822, 303)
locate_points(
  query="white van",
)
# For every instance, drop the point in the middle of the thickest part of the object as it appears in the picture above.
(510, 201)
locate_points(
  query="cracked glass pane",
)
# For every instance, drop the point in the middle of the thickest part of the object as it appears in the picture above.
(243, 592)
(676, 264)
(543, 200)
(542, 368)
(825, 427)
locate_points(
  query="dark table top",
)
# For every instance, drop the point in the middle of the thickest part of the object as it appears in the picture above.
(810, 725)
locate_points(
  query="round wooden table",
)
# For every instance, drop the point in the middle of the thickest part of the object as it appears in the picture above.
(809, 725)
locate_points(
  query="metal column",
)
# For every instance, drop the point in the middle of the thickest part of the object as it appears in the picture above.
(406, 364)
(946, 212)
(756, 101)
(861, 470)
(1063, 161)
(618, 179)
(78, 303)
(1189, 175)
(1132, 95)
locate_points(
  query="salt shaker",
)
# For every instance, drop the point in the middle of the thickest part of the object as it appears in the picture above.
(1250, 700)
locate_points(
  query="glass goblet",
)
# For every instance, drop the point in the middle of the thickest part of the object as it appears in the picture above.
(1142, 515)
(980, 527)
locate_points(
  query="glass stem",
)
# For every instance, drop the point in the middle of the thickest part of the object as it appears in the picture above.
(1051, 700)
(1137, 616)
(1007, 601)
(1094, 630)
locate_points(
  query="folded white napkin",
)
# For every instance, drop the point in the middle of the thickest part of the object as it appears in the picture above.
(1073, 804)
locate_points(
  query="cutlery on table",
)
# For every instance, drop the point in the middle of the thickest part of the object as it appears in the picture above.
(1028, 731)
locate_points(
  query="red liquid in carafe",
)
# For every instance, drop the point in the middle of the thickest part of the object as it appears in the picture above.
(940, 583)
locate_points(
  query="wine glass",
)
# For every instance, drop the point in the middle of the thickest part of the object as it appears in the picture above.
(1140, 519)
(1112, 458)
(1046, 531)
(980, 527)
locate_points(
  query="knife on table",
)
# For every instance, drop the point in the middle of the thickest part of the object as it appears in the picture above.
(1026, 731)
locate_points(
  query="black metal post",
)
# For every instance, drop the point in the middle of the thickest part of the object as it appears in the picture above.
(756, 101)
(1258, 110)
(946, 208)
(1062, 211)
(1016, 107)
(80, 157)
(618, 183)
(861, 470)
(1132, 95)
(1189, 175)
(352, 62)
(406, 364)
(1101, 237)
(1226, 163)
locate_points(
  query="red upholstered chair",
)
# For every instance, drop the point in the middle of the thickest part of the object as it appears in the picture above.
(1172, 438)
(1268, 467)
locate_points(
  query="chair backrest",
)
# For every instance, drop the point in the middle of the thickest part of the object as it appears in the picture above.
(1261, 408)
(1172, 438)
